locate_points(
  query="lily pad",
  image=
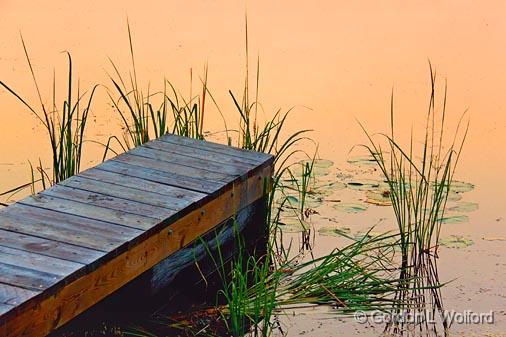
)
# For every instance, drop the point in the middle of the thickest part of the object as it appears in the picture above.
(334, 231)
(350, 207)
(321, 167)
(456, 241)
(464, 207)
(292, 224)
(366, 185)
(496, 238)
(293, 202)
(453, 196)
(380, 198)
(362, 160)
(460, 187)
(322, 163)
(455, 219)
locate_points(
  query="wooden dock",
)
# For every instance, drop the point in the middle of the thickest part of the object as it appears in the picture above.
(67, 248)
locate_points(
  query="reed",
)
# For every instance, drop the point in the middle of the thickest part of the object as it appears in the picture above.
(419, 184)
(146, 115)
(65, 125)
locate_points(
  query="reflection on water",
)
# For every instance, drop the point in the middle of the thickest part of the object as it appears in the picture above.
(339, 59)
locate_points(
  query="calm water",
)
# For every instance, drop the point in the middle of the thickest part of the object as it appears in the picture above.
(335, 62)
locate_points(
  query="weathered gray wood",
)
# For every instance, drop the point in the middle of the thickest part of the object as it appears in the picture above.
(5, 308)
(63, 227)
(184, 160)
(150, 193)
(246, 156)
(14, 295)
(85, 238)
(111, 202)
(27, 278)
(46, 247)
(193, 152)
(38, 262)
(161, 177)
(173, 168)
(90, 211)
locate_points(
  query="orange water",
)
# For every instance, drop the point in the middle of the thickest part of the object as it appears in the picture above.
(340, 59)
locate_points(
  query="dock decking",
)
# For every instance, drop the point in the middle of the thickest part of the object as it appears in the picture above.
(68, 247)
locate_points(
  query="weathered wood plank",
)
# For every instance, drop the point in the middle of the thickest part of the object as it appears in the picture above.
(111, 202)
(173, 168)
(51, 248)
(26, 278)
(63, 227)
(117, 217)
(5, 308)
(251, 157)
(14, 295)
(179, 159)
(161, 177)
(199, 153)
(38, 262)
(38, 318)
(172, 202)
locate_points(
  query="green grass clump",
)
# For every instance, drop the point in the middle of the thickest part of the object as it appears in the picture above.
(419, 184)
(65, 125)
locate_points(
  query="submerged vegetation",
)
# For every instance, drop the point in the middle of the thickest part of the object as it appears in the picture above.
(367, 272)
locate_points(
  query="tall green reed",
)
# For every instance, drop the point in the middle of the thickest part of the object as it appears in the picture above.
(419, 185)
(65, 125)
(146, 115)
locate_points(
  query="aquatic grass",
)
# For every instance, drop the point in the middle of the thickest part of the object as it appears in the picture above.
(65, 126)
(146, 115)
(359, 276)
(419, 186)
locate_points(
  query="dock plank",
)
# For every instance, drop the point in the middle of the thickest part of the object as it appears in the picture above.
(65, 249)
(180, 197)
(5, 308)
(248, 157)
(128, 193)
(14, 295)
(194, 152)
(52, 225)
(161, 177)
(101, 200)
(148, 151)
(47, 247)
(117, 217)
(172, 168)
(27, 278)
(38, 262)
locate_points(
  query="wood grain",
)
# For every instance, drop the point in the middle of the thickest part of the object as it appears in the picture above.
(37, 319)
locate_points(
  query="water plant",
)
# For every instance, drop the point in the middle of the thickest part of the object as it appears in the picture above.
(65, 126)
(146, 115)
(419, 185)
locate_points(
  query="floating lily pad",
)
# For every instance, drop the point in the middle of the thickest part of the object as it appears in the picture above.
(323, 163)
(454, 219)
(334, 231)
(362, 160)
(497, 238)
(321, 167)
(293, 202)
(460, 187)
(292, 224)
(464, 207)
(380, 198)
(366, 185)
(349, 207)
(453, 196)
(455, 241)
